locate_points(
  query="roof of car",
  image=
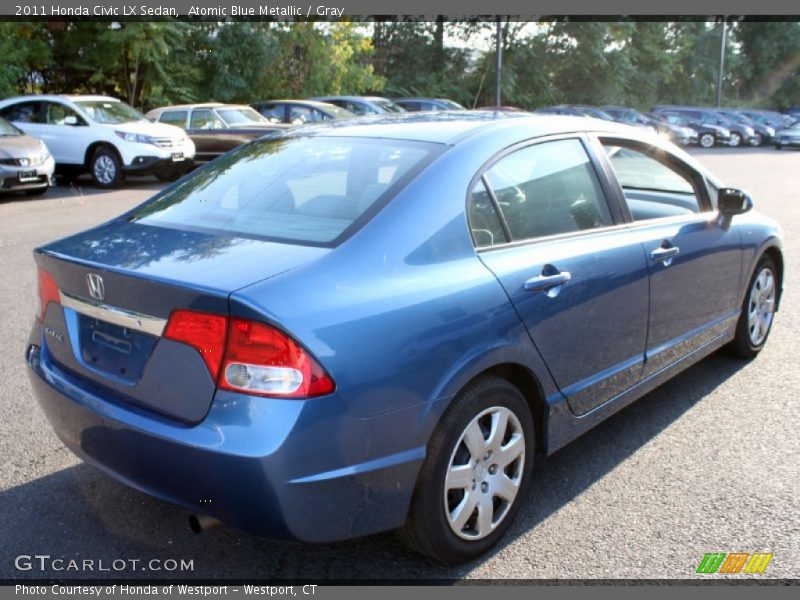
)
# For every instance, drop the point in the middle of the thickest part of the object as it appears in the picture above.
(318, 103)
(199, 105)
(450, 127)
(353, 98)
(70, 97)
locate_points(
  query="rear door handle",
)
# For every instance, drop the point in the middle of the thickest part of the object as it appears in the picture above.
(665, 254)
(541, 283)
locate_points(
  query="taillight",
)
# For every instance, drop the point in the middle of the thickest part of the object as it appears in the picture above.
(203, 331)
(250, 357)
(48, 292)
(262, 360)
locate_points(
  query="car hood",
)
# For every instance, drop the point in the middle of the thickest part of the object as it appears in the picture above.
(19, 146)
(148, 128)
(190, 258)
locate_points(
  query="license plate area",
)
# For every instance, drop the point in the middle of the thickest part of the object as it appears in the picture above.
(27, 176)
(177, 156)
(118, 352)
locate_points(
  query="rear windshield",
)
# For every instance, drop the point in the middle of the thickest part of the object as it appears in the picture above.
(305, 190)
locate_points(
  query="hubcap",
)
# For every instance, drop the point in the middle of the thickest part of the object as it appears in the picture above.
(757, 139)
(104, 169)
(484, 473)
(707, 140)
(761, 306)
(736, 139)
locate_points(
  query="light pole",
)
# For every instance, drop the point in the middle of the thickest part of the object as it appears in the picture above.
(498, 61)
(721, 73)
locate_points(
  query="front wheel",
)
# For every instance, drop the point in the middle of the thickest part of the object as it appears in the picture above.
(106, 168)
(736, 140)
(475, 474)
(707, 140)
(758, 310)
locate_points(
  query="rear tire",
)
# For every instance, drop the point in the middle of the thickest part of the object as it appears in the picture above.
(736, 140)
(758, 139)
(758, 310)
(475, 475)
(106, 168)
(707, 140)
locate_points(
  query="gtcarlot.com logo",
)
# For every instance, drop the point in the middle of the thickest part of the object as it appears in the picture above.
(45, 562)
(735, 562)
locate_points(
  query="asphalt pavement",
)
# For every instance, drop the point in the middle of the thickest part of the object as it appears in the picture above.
(709, 462)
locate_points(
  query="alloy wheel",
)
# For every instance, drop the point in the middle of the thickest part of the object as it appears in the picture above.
(105, 170)
(736, 140)
(484, 473)
(761, 306)
(706, 140)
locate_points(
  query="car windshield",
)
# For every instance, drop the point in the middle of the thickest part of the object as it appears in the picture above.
(305, 189)
(110, 112)
(240, 115)
(389, 106)
(7, 129)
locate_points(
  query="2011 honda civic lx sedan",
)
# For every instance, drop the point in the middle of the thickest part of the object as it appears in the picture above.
(383, 324)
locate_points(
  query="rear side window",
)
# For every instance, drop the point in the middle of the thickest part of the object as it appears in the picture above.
(205, 119)
(548, 189)
(174, 117)
(484, 222)
(306, 190)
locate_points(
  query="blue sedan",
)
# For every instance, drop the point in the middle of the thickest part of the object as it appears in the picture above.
(384, 324)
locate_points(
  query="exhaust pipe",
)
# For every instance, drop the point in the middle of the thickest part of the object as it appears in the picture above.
(201, 523)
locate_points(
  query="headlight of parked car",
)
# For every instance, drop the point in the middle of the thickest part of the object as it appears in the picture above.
(135, 137)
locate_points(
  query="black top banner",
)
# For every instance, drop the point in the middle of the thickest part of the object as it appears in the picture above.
(340, 9)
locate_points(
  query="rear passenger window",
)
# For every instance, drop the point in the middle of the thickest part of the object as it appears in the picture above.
(484, 222)
(23, 112)
(548, 189)
(653, 189)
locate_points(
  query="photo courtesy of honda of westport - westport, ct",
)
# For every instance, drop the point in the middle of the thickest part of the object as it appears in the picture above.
(383, 323)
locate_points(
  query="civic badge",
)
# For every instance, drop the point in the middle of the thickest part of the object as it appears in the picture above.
(97, 289)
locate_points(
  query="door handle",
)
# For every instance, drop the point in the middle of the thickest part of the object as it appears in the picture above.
(543, 282)
(665, 254)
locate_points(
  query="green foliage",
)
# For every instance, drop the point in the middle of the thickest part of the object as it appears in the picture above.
(636, 63)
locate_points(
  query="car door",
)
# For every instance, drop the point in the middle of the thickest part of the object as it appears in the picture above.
(66, 133)
(208, 134)
(694, 257)
(577, 280)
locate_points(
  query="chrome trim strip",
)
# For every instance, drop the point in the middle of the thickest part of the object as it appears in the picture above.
(118, 316)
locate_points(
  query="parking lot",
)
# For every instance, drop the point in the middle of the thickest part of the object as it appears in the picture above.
(706, 463)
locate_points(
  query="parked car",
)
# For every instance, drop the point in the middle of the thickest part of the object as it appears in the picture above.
(215, 128)
(363, 105)
(318, 338)
(427, 104)
(680, 134)
(300, 112)
(769, 117)
(788, 137)
(763, 133)
(25, 163)
(709, 134)
(740, 133)
(631, 116)
(793, 112)
(99, 134)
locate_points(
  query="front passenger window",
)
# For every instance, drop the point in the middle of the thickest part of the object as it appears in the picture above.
(58, 114)
(548, 189)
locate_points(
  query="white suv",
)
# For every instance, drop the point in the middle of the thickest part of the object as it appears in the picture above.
(101, 135)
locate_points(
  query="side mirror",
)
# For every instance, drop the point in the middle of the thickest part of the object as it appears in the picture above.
(733, 202)
(71, 120)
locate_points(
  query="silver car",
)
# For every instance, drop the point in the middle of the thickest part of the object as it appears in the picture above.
(788, 137)
(25, 162)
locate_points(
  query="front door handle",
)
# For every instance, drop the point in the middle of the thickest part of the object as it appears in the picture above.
(544, 282)
(665, 254)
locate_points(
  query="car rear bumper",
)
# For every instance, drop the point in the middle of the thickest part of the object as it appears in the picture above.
(287, 469)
